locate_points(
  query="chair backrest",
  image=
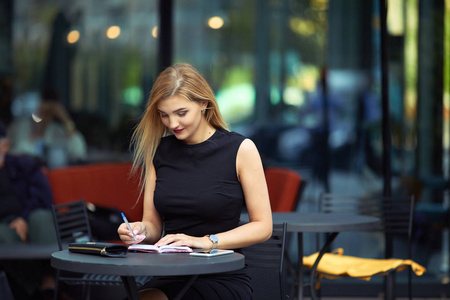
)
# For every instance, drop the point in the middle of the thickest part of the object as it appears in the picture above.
(395, 213)
(265, 265)
(103, 184)
(71, 223)
(285, 188)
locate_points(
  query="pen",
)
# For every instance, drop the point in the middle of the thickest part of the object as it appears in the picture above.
(128, 225)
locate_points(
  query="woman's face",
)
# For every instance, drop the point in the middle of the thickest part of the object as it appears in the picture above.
(183, 117)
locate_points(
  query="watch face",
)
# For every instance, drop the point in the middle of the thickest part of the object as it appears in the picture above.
(213, 238)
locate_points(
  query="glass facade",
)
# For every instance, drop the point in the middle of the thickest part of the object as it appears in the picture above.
(302, 78)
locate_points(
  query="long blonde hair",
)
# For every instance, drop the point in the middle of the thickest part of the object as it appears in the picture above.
(180, 79)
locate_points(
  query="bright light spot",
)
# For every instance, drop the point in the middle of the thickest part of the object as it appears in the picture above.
(395, 17)
(155, 32)
(236, 102)
(133, 95)
(73, 36)
(302, 27)
(215, 22)
(36, 118)
(308, 77)
(294, 96)
(113, 32)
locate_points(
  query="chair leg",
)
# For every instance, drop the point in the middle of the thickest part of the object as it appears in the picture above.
(5, 290)
(86, 293)
(410, 283)
(389, 289)
(292, 272)
(55, 295)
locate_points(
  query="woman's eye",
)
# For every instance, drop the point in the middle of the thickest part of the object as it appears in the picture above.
(182, 114)
(163, 115)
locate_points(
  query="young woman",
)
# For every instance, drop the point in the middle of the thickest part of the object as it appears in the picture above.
(197, 177)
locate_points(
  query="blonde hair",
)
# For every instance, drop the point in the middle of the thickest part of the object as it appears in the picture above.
(180, 79)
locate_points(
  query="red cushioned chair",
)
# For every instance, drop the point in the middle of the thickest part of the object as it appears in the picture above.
(285, 188)
(103, 184)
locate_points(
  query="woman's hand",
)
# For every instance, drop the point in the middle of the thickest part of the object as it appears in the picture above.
(21, 228)
(185, 240)
(127, 236)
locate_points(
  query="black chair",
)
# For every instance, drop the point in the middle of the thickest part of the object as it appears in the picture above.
(5, 290)
(396, 217)
(72, 225)
(265, 265)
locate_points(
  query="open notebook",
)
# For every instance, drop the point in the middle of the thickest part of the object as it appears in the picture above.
(156, 249)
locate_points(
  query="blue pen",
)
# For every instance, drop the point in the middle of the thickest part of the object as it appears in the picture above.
(128, 225)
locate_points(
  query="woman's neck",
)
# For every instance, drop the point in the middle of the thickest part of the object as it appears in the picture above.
(203, 133)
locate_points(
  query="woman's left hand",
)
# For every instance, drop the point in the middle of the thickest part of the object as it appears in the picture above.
(185, 240)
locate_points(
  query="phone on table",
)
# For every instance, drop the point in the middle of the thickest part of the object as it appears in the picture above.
(211, 253)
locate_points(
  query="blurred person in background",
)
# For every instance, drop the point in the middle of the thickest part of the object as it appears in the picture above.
(25, 217)
(50, 134)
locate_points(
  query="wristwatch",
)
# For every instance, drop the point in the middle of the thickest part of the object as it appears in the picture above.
(214, 239)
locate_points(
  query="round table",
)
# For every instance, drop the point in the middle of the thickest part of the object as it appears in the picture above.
(146, 264)
(321, 222)
(300, 222)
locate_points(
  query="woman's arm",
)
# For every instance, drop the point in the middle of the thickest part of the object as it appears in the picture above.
(150, 229)
(251, 175)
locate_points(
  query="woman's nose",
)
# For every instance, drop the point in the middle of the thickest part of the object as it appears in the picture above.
(173, 123)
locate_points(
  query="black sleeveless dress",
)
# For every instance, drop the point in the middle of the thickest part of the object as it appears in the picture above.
(198, 193)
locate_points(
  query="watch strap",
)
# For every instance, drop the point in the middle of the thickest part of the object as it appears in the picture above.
(214, 240)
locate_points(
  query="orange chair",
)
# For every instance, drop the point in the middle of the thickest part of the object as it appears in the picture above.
(285, 188)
